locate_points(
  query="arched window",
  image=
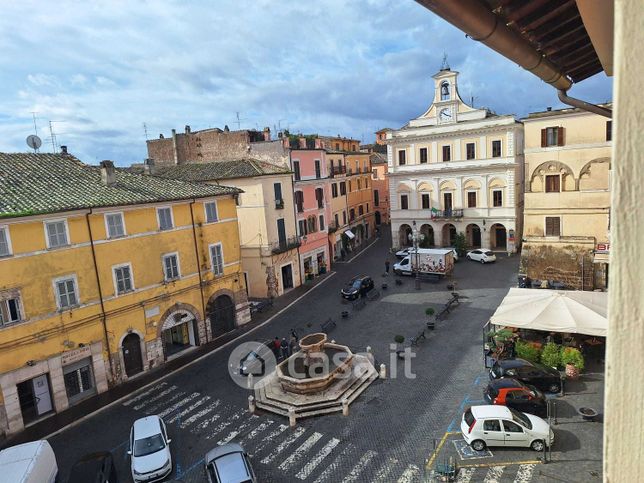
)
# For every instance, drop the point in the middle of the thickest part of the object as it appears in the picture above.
(445, 91)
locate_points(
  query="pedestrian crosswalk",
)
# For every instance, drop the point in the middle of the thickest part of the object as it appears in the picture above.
(293, 454)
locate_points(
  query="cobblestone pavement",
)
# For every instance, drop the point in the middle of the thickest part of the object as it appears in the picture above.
(392, 428)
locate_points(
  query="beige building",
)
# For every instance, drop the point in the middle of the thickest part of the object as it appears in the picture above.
(456, 169)
(567, 198)
(265, 209)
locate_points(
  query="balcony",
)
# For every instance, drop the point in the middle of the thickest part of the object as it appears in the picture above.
(285, 245)
(447, 214)
(332, 227)
(339, 170)
(279, 204)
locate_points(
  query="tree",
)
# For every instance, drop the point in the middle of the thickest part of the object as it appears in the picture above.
(460, 244)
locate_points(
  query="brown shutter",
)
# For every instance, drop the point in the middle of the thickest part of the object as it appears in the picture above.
(557, 226)
(609, 133)
(544, 138)
(560, 136)
(549, 226)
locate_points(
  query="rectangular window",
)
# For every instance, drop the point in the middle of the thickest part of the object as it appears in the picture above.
(66, 292)
(496, 149)
(319, 196)
(423, 155)
(425, 201)
(171, 266)
(165, 218)
(217, 259)
(553, 226)
(470, 149)
(553, 183)
(497, 198)
(296, 170)
(302, 225)
(404, 202)
(376, 198)
(552, 136)
(471, 199)
(343, 188)
(337, 220)
(447, 201)
(609, 130)
(5, 248)
(352, 214)
(281, 231)
(360, 210)
(310, 221)
(402, 159)
(9, 311)
(321, 222)
(447, 153)
(211, 212)
(318, 173)
(344, 217)
(123, 278)
(334, 190)
(56, 233)
(299, 201)
(79, 381)
(115, 226)
(367, 208)
(359, 184)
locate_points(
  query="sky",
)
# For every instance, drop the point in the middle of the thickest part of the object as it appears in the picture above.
(102, 73)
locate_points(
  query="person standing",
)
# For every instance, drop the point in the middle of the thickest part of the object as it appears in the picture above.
(387, 266)
(276, 348)
(291, 345)
(284, 348)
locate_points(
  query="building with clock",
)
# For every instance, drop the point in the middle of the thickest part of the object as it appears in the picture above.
(457, 169)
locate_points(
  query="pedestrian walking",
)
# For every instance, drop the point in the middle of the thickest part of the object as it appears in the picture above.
(284, 348)
(292, 343)
(294, 335)
(387, 266)
(276, 348)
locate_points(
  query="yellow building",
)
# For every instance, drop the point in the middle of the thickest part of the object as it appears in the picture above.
(567, 197)
(105, 274)
(268, 236)
(360, 197)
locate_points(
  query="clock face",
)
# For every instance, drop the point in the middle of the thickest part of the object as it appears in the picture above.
(445, 114)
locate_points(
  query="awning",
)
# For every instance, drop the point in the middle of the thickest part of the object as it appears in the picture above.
(601, 258)
(574, 312)
(350, 234)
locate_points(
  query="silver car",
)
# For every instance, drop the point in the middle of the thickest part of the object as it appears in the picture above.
(229, 463)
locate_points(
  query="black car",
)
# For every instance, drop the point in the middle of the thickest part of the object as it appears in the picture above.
(357, 287)
(538, 375)
(514, 394)
(94, 468)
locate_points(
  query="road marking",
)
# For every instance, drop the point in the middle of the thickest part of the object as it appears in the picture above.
(199, 414)
(178, 405)
(382, 475)
(465, 475)
(500, 463)
(218, 429)
(238, 430)
(250, 436)
(162, 404)
(143, 394)
(304, 473)
(494, 474)
(328, 471)
(300, 451)
(145, 402)
(360, 466)
(189, 409)
(283, 445)
(410, 474)
(269, 438)
(524, 475)
(437, 450)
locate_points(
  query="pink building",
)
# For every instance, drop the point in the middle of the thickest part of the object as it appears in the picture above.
(313, 208)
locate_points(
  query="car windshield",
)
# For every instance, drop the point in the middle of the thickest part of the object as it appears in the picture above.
(521, 418)
(356, 284)
(146, 446)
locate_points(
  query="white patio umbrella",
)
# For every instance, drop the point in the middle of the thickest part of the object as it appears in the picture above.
(554, 311)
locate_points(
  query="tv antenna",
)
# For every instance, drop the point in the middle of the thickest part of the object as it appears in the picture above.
(145, 130)
(238, 121)
(53, 135)
(34, 142)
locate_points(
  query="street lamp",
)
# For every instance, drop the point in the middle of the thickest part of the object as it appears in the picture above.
(416, 237)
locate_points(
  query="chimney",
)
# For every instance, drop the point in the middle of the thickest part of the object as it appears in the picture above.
(548, 109)
(302, 143)
(148, 166)
(226, 128)
(161, 136)
(175, 152)
(187, 129)
(63, 150)
(318, 144)
(267, 134)
(108, 173)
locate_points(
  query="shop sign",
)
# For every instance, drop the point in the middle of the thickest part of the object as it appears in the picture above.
(152, 311)
(511, 235)
(76, 355)
(602, 248)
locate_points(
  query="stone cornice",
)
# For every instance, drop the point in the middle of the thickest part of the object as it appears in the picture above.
(445, 134)
(454, 169)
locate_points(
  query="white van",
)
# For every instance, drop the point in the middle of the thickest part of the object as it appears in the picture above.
(33, 462)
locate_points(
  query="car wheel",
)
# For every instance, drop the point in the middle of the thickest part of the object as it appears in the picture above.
(468, 257)
(478, 445)
(554, 388)
(482, 261)
(537, 445)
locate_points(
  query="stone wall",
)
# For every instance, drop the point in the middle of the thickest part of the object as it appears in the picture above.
(560, 263)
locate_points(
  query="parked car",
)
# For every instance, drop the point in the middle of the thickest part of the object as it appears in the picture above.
(483, 426)
(404, 252)
(542, 377)
(514, 394)
(33, 462)
(94, 468)
(149, 450)
(482, 255)
(229, 463)
(357, 287)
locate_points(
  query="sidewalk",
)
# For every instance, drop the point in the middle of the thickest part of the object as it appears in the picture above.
(57, 421)
(359, 251)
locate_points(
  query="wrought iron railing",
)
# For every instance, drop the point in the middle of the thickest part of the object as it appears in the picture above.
(285, 245)
(446, 214)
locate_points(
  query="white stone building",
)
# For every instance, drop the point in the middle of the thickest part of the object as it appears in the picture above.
(457, 169)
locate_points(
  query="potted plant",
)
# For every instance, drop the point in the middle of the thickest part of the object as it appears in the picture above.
(527, 351)
(429, 312)
(500, 337)
(573, 360)
(322, 268)
(551, 355)
(399, 339)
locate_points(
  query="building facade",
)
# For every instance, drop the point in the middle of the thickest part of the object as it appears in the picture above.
(338, 201)
(567, 198)
(380, 188)
(457, 169)
(361, 225)
(103, 275)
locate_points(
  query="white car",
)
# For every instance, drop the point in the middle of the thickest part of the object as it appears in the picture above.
(403, 267)
(149, 450)
(404, 252)
(503, 426)
(482, 255)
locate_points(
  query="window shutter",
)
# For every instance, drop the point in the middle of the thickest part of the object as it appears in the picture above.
(549, 226)
(544, 138)
(557, 226)
(560, 136)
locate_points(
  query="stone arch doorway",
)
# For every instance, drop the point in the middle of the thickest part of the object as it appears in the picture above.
(221, 312)
(378, 218)
(132, 357)
(449, 234)
(473, 235)
(498, 237)
(404, 232)
(428, 231)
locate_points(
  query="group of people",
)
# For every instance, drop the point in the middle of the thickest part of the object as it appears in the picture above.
(284, 348)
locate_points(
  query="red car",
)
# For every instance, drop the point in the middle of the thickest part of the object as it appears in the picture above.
(517, 395)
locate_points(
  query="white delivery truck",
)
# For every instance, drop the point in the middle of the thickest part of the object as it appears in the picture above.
(434, 261)
(33, 462)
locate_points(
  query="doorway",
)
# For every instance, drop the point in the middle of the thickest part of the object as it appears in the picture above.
(447, 202)
(35, 398)
(287, 276)
(378, 218)
(132, 358)
(178, 338)
(221, 312)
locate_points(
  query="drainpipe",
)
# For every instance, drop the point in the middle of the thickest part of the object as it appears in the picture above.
(194, 238)
(100, 295)
(586, 106)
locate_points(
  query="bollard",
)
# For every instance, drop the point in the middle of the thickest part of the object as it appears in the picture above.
(369, 349)
(291, 417)
(383, 371)
(251, 404)
(250, 381)
(332, 341)
(345, 407)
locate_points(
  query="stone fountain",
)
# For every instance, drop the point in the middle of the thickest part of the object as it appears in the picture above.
(322, 377)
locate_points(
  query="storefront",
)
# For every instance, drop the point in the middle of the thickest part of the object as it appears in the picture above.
(178, 332)
(79, 380)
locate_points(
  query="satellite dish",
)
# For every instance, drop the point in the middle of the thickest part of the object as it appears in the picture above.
(34, 142)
